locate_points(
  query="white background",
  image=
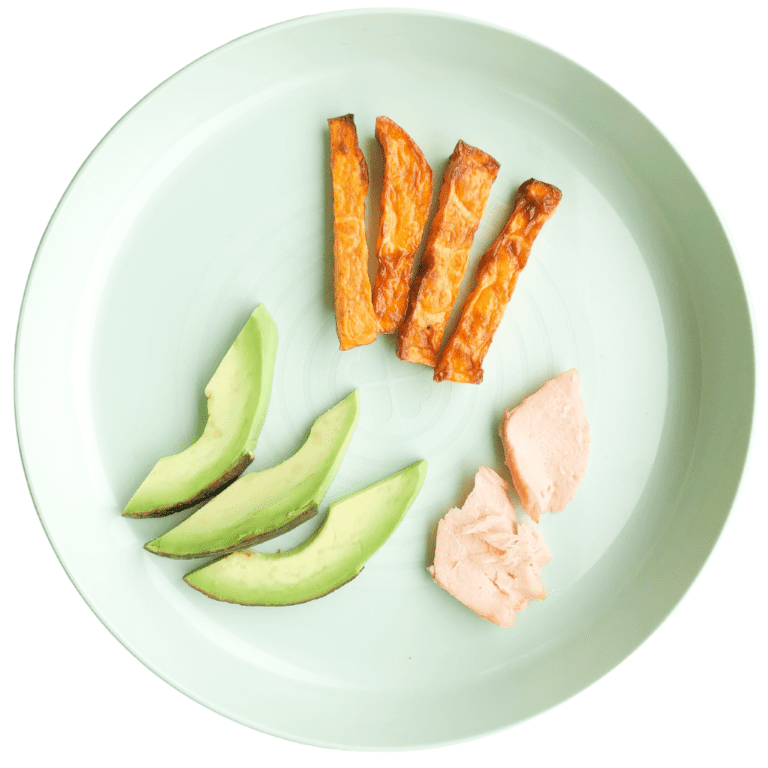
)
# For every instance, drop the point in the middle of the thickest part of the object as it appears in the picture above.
(693, 694)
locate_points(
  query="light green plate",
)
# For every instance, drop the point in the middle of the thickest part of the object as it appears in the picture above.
(213, 195)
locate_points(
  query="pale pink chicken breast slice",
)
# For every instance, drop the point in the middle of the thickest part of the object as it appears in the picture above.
(546, 445)
(485, 558)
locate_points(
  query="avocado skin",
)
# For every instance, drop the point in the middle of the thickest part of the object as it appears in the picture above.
(238, 395)
(265, 504)
(302, 517)
(214, 596)
(354, 529)
(205, 494)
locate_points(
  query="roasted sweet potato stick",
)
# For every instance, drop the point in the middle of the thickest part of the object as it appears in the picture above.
(462, 357)
(405, 198)
(356, 322)
(466, 184)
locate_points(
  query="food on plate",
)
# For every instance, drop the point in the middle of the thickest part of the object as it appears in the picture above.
(405, 199)
(238, 395)
(356, 322)
(466, 185)
(461, 359)
(485, 558)
(546, 445)
(352, 532)
(261, 505)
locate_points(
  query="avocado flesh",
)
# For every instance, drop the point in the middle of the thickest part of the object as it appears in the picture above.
(352, 532)
(238, 395)
(261, 505)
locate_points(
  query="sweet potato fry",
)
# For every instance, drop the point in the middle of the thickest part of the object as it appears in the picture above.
(462, 357)
(356, 322)
(466, 184)
(405, 198)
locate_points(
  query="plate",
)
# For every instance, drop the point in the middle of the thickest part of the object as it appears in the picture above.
(212, 196)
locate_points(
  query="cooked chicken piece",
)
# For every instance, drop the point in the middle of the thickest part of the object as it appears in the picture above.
(466, 185)
(546, 445)
(356, 322)
(485, 558)
(462, 357)
(405, 198)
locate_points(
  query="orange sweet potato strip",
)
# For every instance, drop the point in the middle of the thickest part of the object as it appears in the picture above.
(356, 322)
(466, 184)
(462, 357)
(405, 198)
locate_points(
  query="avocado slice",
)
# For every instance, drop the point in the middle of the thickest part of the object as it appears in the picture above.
(261, 505)
(352, 532)
(238, 395)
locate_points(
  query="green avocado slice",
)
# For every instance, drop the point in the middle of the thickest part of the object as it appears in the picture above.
(261, 505)
(238, 395)
(352, 532)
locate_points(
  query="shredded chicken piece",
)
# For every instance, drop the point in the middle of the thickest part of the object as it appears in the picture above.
(485, 558)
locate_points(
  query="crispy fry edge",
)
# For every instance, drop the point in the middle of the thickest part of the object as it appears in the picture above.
(535, 201)
(418, 344)
(393, 278)
(359, 304)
